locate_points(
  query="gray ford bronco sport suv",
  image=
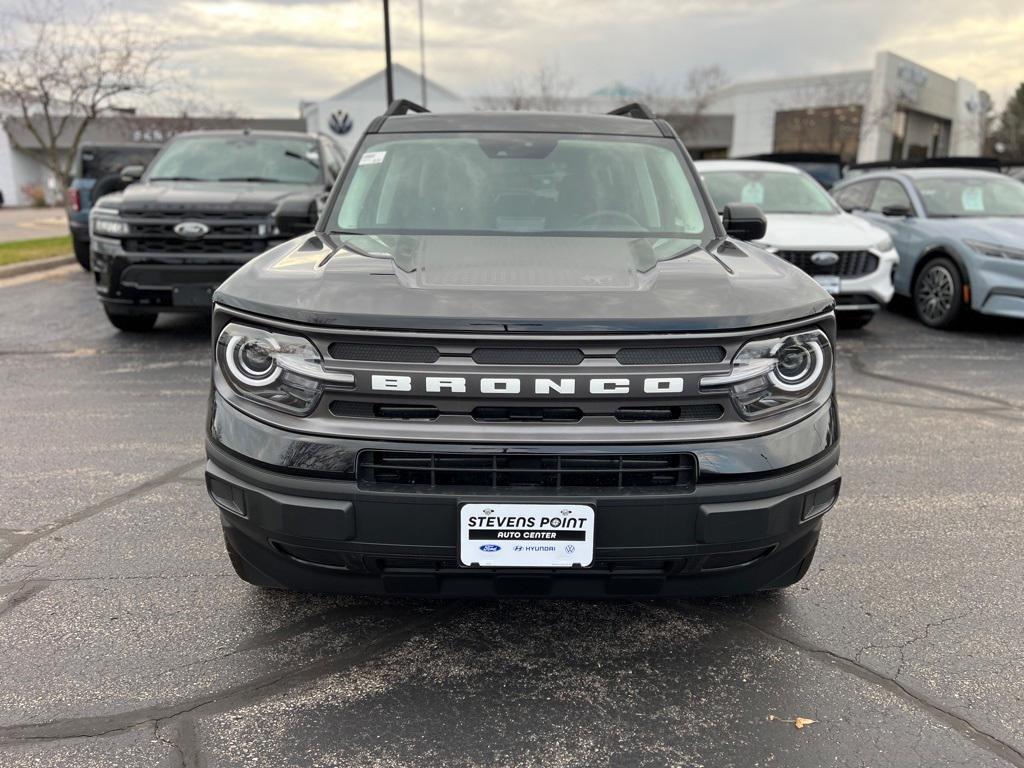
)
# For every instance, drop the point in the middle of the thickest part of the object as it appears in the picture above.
(520, 354)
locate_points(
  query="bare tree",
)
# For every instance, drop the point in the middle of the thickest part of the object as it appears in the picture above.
(61, 73)
(546, 89)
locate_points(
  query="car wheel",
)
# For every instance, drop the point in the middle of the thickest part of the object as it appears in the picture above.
(82, 253)
(851, 321)
(131, 322)
(939, 294)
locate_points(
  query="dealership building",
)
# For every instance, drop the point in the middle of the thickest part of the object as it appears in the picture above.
(896, 110)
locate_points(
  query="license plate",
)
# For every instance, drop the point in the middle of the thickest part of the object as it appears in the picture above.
(829, 282)
(526, 535)
(192, 295)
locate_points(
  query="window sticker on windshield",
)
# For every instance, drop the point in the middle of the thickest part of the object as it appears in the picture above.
(372, 158)
(753, 192)
(972, 200)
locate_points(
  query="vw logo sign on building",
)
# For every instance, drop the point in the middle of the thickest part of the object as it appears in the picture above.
(340, 122)
(825, 258)
(191, 230)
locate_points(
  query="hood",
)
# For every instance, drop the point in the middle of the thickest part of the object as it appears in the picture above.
(205, 196)
(525, 283)
(797, 231)
(998, 231)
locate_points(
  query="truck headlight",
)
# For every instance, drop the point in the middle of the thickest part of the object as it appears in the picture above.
(772, 375)
(275, 369)
(109, 227)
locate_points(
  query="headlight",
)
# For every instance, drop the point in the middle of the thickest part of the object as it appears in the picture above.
(275, 369)
(772, 375)
(996, 251)
(885, 244)
(109, 227)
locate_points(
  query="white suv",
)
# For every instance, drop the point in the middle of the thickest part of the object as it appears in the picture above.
(852, 259)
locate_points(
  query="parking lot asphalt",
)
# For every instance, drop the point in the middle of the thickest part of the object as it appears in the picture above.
(126, 639)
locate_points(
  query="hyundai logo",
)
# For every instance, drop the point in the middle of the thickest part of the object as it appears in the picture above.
(825, 258)
(489, 547)
(191, 230)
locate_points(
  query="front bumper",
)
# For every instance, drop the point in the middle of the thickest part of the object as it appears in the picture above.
(294, 512)
(159, 282)
(869, 292)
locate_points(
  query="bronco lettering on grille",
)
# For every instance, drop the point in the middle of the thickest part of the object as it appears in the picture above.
(653, 385)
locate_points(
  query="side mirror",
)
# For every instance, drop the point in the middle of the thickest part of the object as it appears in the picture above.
(132, 173)
(744, 221)
(896, 210)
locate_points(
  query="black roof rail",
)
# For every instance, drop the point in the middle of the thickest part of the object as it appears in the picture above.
(403, 107)
(634, 109)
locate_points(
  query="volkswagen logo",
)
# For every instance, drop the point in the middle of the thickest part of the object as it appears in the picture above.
(340, 122)
(191, 230)
(825, 258)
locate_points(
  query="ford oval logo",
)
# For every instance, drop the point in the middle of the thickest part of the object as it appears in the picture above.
(825, 258)
(191, 230)
(489, 547)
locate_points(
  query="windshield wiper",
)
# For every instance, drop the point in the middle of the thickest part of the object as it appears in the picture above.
(177, 178)
(297, 156)
(250, 178)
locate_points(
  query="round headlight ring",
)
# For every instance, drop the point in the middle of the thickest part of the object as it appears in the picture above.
(800, 364)
(246, 372)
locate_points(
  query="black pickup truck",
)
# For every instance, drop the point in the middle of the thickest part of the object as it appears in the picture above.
(521, 354)
(208, 202)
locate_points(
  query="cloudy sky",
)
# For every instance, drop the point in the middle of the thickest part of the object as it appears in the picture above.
(262, 57)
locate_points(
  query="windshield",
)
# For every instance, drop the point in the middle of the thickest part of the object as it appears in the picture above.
(772, 191)
(518, 183)
(239, 158)
(957, 196)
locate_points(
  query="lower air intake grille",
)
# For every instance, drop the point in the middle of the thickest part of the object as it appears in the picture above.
(543, 473)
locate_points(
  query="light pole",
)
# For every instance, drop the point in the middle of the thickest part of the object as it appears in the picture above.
(423, 62)
(387, 54)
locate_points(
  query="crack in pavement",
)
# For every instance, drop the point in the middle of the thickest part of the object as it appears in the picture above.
(901, 647)
(228, 699)
(998, 412)
(22, 592)
(919, 701)
(860, 367)
(22, 541)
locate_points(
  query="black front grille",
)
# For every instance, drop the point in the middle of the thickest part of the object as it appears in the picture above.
(204, 214)
(669, 355)
(850, 264)
(527, 356)
(384, 353)
(700, 412)
(178, 245)
(412, 472)
(166, 276)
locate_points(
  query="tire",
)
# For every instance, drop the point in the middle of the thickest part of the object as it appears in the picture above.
(939, 294)
(131, 322)
(82, 253)
(246, 572)
(851, 321)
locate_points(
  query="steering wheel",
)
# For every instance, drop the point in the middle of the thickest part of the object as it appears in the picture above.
(622, 216)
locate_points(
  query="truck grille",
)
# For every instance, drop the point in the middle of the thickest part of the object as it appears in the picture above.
(412, 472)
(234, 232)
(850, 264)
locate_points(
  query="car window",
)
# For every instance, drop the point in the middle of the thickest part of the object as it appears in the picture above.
(889, 192)
(97, 162)
(855, 197)
(772, 191)
(240, 158)
(521, 183)
(966, 196)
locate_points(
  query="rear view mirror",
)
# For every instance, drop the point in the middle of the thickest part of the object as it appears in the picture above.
(896, 210)
(744, 221)
(132, 173)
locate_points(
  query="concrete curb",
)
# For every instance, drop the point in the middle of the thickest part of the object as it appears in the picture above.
(38, 265)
